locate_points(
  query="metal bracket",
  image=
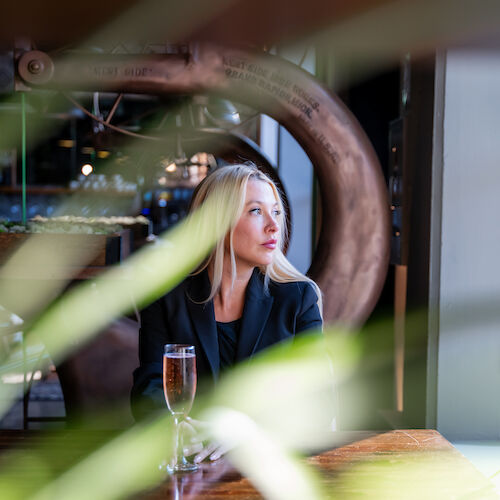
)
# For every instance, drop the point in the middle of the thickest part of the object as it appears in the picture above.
(35, 67)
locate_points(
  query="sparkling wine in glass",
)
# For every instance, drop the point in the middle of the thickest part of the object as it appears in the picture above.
(179, 386)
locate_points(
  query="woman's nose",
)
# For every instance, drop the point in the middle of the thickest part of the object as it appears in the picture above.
(272, 225)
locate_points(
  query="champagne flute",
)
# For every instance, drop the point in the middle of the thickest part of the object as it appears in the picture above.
(179, 386)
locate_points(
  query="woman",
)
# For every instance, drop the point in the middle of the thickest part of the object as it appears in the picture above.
(245, 297)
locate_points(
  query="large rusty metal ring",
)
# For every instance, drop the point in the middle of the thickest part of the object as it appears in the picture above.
(352, 255)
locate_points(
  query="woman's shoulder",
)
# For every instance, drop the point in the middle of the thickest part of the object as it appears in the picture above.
(291, 288)
(301, 297)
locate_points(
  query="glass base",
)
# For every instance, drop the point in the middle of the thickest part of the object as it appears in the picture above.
(182, 466)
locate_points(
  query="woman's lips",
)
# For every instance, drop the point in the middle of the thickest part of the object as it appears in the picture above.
(271, 244)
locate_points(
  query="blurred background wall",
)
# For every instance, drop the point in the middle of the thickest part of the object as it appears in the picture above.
(468, 347)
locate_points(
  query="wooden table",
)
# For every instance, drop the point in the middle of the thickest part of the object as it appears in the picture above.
(401, 464)
(419, 464)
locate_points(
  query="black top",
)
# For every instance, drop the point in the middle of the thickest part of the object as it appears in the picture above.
(228, 341)
(184, 317)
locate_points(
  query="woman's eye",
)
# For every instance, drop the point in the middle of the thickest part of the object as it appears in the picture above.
(258, 211)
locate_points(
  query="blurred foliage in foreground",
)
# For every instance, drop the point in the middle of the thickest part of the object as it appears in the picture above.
(270, 408)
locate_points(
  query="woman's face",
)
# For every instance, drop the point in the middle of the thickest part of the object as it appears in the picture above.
(256, 232)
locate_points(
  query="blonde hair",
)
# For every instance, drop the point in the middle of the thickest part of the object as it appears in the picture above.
(229, 183)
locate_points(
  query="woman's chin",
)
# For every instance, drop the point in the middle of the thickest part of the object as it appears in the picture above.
(261, 260)
(265, 261)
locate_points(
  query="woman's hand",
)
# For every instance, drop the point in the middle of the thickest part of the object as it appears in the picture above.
(196, 441)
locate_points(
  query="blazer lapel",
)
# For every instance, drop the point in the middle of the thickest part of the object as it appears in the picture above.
(203, 318)
(255, 313)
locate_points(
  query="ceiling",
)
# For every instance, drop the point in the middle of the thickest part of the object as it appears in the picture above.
(56, 23)
(360, 33)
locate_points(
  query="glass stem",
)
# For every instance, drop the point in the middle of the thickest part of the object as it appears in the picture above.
(179, 452)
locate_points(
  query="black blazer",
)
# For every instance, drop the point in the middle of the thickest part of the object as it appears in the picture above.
(181, 317)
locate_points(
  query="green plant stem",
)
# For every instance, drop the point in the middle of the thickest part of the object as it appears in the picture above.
(23, 154)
